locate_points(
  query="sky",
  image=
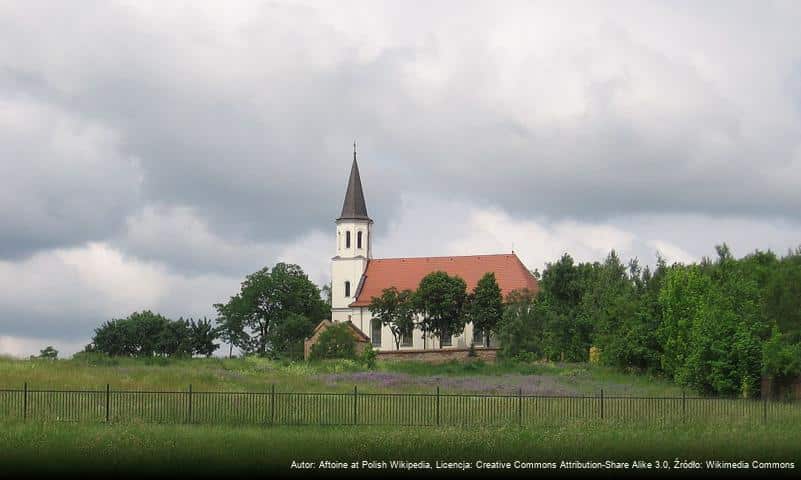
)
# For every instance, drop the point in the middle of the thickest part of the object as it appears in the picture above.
(152, 154)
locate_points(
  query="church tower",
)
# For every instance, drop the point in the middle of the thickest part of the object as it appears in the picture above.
(354, 232)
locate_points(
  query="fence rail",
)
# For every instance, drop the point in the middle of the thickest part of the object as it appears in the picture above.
(361, 408)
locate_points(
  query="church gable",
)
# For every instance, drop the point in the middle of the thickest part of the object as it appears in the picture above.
(406, 273)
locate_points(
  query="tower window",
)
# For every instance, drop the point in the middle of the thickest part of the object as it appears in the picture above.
(347, 289)
(359, 240)
(347, 239)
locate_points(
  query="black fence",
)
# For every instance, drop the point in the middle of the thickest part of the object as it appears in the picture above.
(360, 408)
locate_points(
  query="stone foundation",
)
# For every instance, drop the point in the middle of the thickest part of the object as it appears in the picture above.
(488, 354)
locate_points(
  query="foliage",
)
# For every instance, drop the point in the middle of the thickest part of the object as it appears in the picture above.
(286, 337)
(266, 299)
(566, 334)
(440, 301)
(520, 331)
(368, 357)
(781, 357)
(485, 305)
(145, 334)
(335, 342)
(712, 327)
(48, 353)
(394, 310)
(202, 334)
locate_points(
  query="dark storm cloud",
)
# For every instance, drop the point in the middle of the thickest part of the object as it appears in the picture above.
(247, 123)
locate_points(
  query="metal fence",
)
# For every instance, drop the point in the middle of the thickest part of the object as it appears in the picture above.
(360, 408)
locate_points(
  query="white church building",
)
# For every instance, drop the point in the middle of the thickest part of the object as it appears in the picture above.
(357, 277)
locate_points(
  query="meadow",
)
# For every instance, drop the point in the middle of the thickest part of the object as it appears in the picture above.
(254, 374)
(216, 451)
(205, 448)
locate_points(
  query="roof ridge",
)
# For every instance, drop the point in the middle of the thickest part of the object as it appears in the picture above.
(448, 256)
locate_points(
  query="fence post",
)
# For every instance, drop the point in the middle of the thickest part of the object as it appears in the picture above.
(355, 396)
(683, 405)
(437, 405)
(520, 406)
(272, 405)
(764, 409)
(190, 403)
(602, 404)
(25, 402)
(108, 389)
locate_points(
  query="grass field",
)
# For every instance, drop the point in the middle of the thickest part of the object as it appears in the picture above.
(132, 446)
(259, 375)
(216, 451)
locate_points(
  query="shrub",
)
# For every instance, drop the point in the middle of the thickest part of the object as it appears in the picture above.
(595, 355)
(368, 356)
(335, 342)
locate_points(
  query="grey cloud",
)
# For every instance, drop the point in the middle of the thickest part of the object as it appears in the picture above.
(251, 127)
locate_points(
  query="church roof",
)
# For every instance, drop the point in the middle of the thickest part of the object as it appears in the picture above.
(406, 273)
(354, 207)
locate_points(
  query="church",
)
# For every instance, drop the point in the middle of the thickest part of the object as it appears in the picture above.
(357, 277)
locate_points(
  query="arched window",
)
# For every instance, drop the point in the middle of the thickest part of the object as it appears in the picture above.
(359, 239)
(376, 332)
(347, 289)
(347, 239)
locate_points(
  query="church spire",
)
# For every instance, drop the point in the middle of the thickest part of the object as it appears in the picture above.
(354, 206)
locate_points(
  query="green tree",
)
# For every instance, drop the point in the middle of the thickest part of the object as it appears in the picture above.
(287, 336)
(335, 342)
(610, 302)
(49, 353)
(174, 339)
(266, 299)
(203, 334)
(521, 329)
(567, 334)
(440, 301)
(485, 305)
(395, 310)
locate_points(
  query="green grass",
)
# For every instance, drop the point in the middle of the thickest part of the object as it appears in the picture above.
(258, 375)
(213, 451)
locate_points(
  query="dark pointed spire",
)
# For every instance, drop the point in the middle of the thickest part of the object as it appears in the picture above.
(354, 206)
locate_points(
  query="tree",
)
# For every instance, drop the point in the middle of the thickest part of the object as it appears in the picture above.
(440, 300)
(266, 299)
(175, 339)
(145, 334)
(485, 305)
(335, 342)
(394, 310)
(287, 336)
(140, 334)
(610, 302)
(520, 331)
(49, 353)
(203, 334)
(567, 334)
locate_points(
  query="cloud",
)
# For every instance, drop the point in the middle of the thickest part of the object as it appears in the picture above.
(65, 180)
(153, 154)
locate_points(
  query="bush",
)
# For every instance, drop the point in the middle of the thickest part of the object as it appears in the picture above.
(368, 356)
(335, 342)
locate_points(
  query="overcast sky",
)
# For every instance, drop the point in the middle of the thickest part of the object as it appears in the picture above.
(153, 154)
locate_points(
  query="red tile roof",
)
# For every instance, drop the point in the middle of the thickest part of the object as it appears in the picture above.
(403, 273)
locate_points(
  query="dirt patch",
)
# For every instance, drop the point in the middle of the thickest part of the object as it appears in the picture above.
(506, 384)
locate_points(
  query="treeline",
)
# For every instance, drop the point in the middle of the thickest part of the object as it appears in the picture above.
(274, 311)
(716, 326)
(147, 334)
